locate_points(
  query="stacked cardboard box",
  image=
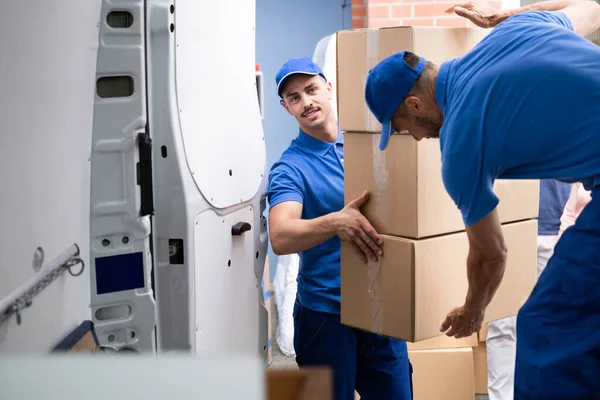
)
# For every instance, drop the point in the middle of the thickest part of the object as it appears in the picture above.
(480, 366)
(422, 274)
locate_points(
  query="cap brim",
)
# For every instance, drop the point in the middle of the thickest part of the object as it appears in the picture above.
(386, 131)
(290, 74)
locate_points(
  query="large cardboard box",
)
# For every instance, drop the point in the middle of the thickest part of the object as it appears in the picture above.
(443, 374)
(407, 194)
(315, 383)
(443, 342)
(480, 368)
(482, 334)
(360, 50)
(408, 293)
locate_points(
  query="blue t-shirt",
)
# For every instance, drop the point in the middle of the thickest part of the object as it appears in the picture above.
(524, 103)
(311, 171)
(553, 197)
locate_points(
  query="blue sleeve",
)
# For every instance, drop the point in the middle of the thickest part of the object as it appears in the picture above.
(469, 185)
(554, 17)
(285, 184)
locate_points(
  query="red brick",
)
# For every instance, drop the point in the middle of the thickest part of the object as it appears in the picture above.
(358, 2)
(374, 2)
(359, 11)
(432, 10)
(451, 21)
(383, 22)
(379, 11)
(359, 22)
(418, 22)
(403, 11)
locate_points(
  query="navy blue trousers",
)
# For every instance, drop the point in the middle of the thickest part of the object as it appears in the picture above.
(376, 366)
(558, 328)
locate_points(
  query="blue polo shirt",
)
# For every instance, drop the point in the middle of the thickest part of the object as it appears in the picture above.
(311, 172)
(524, 103)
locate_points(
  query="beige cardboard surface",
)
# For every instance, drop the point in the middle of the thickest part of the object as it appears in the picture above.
(360, 50)
(443, 342)
(315, 383)
(480, 369)
(407, 194)
(443, 374)
(482, 335)
(408, 293)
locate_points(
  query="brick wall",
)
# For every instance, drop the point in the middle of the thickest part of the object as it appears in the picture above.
(378, 13)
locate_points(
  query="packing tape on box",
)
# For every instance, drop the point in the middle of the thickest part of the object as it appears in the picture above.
(372, 59)
(376, 307)
(380, 181)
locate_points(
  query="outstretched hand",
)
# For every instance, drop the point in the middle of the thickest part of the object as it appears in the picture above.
(479, 12)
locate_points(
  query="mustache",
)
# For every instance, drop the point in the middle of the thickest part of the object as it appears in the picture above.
(310, 110)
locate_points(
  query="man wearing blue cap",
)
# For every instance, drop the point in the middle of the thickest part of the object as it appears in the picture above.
(307, 216)
(524, 103)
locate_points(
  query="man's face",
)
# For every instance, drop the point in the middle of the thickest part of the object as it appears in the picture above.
(307, 98)
(418, 118)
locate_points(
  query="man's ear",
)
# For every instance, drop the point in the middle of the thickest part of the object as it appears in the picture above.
(284, 104)
(413, 104)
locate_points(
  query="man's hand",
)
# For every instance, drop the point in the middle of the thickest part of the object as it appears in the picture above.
(486, 262)
(479, 12)
(462, 322)
(352, 226)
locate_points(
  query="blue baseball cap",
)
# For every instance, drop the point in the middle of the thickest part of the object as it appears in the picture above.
(388, 84)
(301, 65)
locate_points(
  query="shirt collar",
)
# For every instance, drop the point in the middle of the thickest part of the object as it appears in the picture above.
(441, 82)
(318, 146)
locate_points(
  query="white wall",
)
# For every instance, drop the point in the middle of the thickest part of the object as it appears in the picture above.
(508, 4)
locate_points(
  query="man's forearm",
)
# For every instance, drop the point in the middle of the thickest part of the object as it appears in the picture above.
(484, 277)
(551, 5)
(297, 235)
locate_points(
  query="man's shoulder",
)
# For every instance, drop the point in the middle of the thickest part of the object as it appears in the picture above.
(291, 159)
(290, 166)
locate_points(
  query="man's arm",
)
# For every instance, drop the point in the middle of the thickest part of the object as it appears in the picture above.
(469, 181)
(486, 263)
(584, 15)
(289, 233)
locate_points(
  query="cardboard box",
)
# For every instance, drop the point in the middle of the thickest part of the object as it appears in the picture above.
(408, 293)
(407, 194)
(443, 342)
(480, 368)
(482, 335)
(359, 50)
(443, 374)
(315, 383)
(594, 37)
